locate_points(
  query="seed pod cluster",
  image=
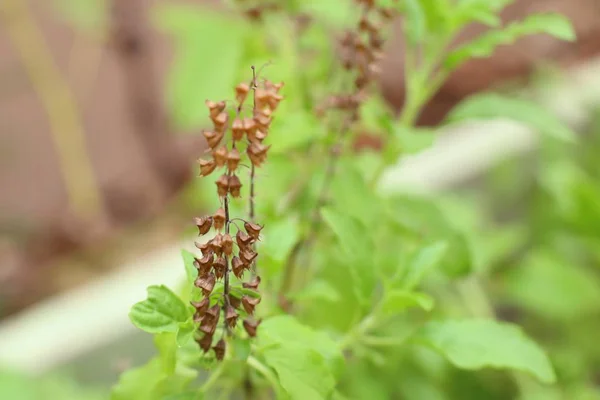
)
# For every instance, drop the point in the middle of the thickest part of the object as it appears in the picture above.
(234, 137)
(361, 52)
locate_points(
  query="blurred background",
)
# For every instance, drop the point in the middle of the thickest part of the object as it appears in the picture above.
(99, 130)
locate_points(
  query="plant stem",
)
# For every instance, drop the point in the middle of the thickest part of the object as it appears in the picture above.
(226, 277)
(266, 373)
(253, 171)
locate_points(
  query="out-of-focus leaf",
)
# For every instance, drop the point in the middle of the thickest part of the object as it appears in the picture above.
(485, 45)
(425, 259)
(554, 288)
(476, 344)
(491, 105)
(209, 47)
(396, 301)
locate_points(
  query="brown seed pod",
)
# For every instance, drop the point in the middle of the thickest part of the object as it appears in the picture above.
(203, 224)
(231, 316)
(220, 121)
(243, 239)
(247, 256)
(257, 153)
(237, 129)
(241, 91)
(263, 120)
(219, 218)
(227, 244)
(234, 301)
(376, 41)
(206, 284)
(216, 244)
(235, 185)
(387, 13)
(201, 307)
(205, 342)
(203, 247)
(233, 159)
(220, 156)
(260, 135)
(253, 284)
(213, 138)
(206, 167)
(219, 350)
(249, 126)
(253, 230)
(220, 267)
(222, 185)
(204, 264)
(251, 326)
(250, 303)
(262, 98)
(213, 312)
(214, 107)
(274, 100)
(238, 267)
(208, 327)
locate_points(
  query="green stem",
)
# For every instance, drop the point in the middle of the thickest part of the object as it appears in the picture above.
(267, 374)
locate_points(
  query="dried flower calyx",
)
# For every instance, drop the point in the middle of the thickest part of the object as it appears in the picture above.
(233, 140)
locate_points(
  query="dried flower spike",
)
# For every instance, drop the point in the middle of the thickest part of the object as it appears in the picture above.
(205, 342)
(222, 185)
(206, 283)
(253, 229)
(220, 156)
(234, 185)
(219, 219)
(206, 167)
(203, 224)
(251, 326)
(250, 303)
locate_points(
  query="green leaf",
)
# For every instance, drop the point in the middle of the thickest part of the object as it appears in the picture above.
(185, 332)
(350, 233)
(191, 395)
(423, 262)
(397, 301)
(413, 140)
(318, 290)
(162, 311)
(491, 105)
(476, 344)
(535, 284)
(209, 49)
(241, 348)
(285, 330)
(296, 130)
(279, 237)
(303, 373)
(416, 21)
(484, 46)
(167, 349)
(188, 261)
(337, 13)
